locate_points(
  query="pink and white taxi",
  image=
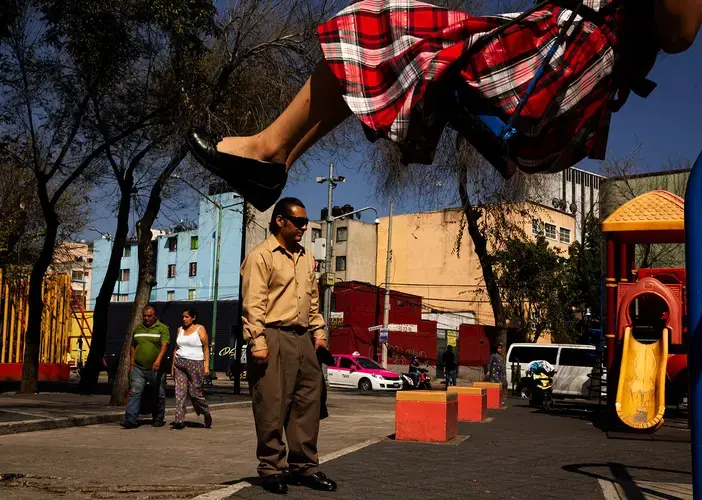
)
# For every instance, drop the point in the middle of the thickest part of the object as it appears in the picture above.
(357, 372)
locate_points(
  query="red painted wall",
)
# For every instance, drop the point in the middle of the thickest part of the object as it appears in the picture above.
(473, 346)
(362, 305)
(12, 372)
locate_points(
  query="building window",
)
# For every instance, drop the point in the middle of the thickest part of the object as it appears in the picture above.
(127, 250)
(77, 275)
(123, 275)
(191, 294)
(536, 228)
(550, 230)
(341, 263)
(316, 233)
(564, 235)
(170, 295)
(194, 243)
(193, 269)
(173, 244)
(171, 271)
(120, 297)
(342, 234)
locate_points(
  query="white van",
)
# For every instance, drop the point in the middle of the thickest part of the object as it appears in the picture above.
(573, 362)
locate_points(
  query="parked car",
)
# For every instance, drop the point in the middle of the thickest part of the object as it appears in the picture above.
(573, 362)
(361, 373)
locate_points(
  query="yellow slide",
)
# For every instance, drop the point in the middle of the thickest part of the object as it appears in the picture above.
(640, 400)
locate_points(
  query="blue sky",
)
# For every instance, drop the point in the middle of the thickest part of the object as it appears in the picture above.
(667, 124)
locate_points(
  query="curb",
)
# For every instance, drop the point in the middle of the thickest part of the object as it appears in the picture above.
(101, 418)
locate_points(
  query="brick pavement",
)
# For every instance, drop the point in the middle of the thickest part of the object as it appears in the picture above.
(521, 454)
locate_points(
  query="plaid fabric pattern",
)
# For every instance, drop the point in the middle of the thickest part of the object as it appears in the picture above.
(393, 59)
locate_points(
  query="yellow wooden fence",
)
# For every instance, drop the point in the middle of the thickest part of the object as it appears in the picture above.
(14, 315)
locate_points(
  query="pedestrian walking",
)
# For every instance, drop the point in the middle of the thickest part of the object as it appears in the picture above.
(283, 328)
(496, 367)
(450, 366)
(149, 345)
(191, 364)
(532, 91)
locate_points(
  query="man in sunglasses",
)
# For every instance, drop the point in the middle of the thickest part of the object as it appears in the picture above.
(283, 328)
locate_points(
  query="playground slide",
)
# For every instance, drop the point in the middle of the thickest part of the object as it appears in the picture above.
(640, 400)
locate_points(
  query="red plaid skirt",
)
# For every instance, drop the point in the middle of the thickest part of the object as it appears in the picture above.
(401, 62)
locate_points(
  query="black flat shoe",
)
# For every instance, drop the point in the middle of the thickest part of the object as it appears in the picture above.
(260, 183)
(274, 484)
(317, 481)
(176, 426)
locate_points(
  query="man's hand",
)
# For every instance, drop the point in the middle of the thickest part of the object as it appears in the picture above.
(319, 343)
(260, 356)
(157, 365)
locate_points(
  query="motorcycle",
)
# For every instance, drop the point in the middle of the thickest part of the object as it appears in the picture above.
(423, 380)
(539, 383)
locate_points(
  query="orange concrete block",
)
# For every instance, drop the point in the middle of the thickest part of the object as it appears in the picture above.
(472, 403)
(427, 416)
(494, 393)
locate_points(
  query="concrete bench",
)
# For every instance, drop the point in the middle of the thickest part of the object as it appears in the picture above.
(494, 393)
(472, 403)
(427, 416)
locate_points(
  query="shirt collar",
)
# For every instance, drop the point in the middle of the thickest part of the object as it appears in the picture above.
(274, 245)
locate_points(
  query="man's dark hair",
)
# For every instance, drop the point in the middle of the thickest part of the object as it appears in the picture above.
(152, 307)
(283, 208)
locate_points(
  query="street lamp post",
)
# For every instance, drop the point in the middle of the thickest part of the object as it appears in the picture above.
(327, 260)
(215, 294)
(386, 308)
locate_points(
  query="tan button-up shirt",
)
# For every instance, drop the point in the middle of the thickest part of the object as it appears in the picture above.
(279, 290)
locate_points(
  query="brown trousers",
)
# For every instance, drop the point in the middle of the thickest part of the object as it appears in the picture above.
(286, 396)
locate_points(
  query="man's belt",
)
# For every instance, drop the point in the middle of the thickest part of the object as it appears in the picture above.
(292, 329)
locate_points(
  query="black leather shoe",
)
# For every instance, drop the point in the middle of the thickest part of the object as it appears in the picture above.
(274, 484)
(316, 481)
(158, 423)
(260, 183)
(177, 426)
(129, 424)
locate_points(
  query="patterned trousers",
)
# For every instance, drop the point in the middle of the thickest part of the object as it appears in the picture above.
(189, 376)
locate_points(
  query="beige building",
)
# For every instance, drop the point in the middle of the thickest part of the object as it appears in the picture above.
(427, 261)
(76, 260)
(353, 251)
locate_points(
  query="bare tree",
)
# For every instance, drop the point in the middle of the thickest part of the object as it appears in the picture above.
(46, 99)
(627, 179)
(244, 77)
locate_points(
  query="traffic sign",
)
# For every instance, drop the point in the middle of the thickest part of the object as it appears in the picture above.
(383, 336)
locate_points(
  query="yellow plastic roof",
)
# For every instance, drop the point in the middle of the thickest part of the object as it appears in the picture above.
(653, 211)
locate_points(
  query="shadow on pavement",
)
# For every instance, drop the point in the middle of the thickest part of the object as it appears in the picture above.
(621, 474)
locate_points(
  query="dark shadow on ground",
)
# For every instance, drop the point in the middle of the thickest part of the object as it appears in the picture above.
(622, 475)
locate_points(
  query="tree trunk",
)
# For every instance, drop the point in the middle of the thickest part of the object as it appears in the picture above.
(480, 244)
(94, 363)
(147, 276)
(32, 338)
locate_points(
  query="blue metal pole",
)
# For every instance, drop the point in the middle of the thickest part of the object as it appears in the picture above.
(693, 262)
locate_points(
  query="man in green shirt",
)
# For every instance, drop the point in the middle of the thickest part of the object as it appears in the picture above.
(150, 343)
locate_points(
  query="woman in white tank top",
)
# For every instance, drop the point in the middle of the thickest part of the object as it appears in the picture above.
(191, 364)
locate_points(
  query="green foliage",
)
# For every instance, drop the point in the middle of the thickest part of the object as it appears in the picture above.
(549, 292)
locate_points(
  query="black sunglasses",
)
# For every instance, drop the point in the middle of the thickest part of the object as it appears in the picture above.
(298, 222)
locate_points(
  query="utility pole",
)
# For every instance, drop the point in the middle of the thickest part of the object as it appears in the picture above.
(386, 309)
(215, 295)
(238, 343)
(329, 276)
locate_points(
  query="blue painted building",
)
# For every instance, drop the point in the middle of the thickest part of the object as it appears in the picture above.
(185, 259)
